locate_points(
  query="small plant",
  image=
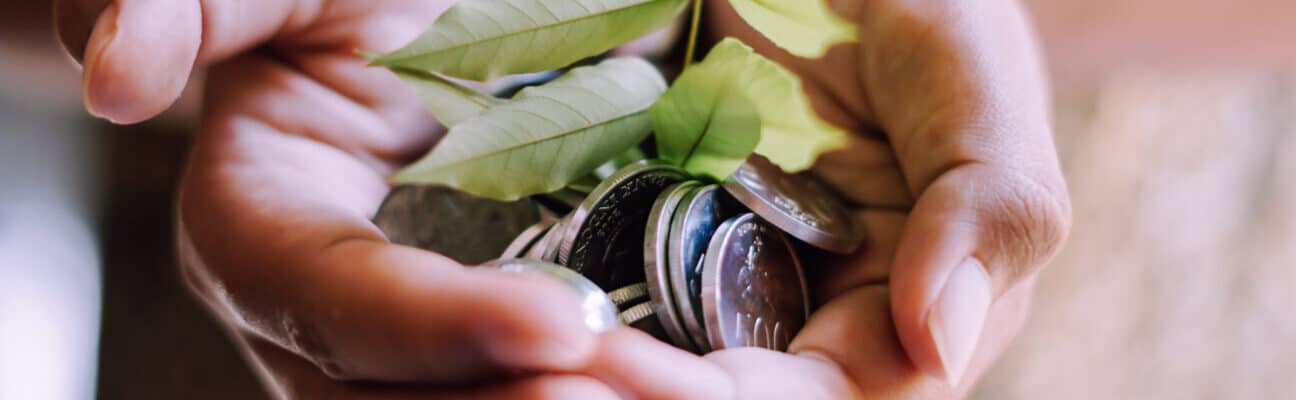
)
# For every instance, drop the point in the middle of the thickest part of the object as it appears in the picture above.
(712, 118)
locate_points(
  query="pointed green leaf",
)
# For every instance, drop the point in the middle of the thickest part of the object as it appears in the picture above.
(486, 39)
(704, 123)
(708, 121)
(806, 28)
(450, 102)
(547, 136)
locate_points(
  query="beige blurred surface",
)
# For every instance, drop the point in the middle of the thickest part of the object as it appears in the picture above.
(1176, 125)
(1179, 276)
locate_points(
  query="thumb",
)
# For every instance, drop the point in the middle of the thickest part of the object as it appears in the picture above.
(137, 54)
(976, 232)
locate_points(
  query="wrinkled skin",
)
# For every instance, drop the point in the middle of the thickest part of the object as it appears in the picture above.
(951, 169)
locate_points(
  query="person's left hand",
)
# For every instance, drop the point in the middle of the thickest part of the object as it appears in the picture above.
(274, 212)
(953, 173)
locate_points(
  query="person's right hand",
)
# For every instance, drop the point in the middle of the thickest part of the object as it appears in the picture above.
(274, 212)
(952, 172)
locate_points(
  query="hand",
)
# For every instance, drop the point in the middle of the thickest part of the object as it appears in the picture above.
(953, 173)
(274, 233)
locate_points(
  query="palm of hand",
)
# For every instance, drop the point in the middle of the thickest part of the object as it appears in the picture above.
(275, 236)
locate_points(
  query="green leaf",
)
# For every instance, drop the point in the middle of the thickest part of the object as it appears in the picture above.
(486, 39)
(547, 136)
(806, 28)
(450, 102)
(704, 123)
(733, 102)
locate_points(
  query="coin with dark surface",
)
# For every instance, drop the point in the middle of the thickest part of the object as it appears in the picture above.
(604, 238)
(466, 228)
(696, 218)
(797, 204)
(657, 268)
(523, 242)
(753, 288)
(600, 314)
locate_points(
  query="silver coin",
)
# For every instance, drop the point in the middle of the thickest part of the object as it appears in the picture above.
(637, 313)
(797, 204)
(461, 226)
(628, 294)
(698, 215)
(554, 242)
(546, 248)
(753, 289)
(600, 313)
(657, 268)
(528, 238)
(604, 239)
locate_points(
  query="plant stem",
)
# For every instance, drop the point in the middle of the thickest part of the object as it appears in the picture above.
(693, 34)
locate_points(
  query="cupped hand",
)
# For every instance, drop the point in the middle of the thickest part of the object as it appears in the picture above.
(274, 232)
(952, 170)
(953, 174)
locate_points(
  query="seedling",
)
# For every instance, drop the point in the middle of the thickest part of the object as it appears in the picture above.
(708, 121)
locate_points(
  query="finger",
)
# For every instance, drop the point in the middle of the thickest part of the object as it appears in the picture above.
(959, 91)
(764, 374)
(871, 263)
(274, 213)
(646, 368)
(411, 130)
(288, 376)
(332, 97)
(367, 310)
(973, 236)
(866, 174)
(138, 56)
(140, 53)
(850, 349)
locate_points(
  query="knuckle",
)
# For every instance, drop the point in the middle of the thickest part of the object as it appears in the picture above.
(1031, 219)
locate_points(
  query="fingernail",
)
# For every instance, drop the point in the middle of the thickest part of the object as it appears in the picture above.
(956, 320)
(105, 32)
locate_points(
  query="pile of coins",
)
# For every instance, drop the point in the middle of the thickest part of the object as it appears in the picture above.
(702, 266)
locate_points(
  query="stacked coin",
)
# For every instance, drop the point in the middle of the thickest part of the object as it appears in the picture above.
(702, 266)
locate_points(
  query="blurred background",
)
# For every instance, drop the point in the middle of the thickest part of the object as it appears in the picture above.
(1176, 122)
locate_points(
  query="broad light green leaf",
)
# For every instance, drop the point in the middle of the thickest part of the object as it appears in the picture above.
(486, 39)
(705, 123)
(806, 28)
(547, 136)
(450, 102)
(735, 101)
